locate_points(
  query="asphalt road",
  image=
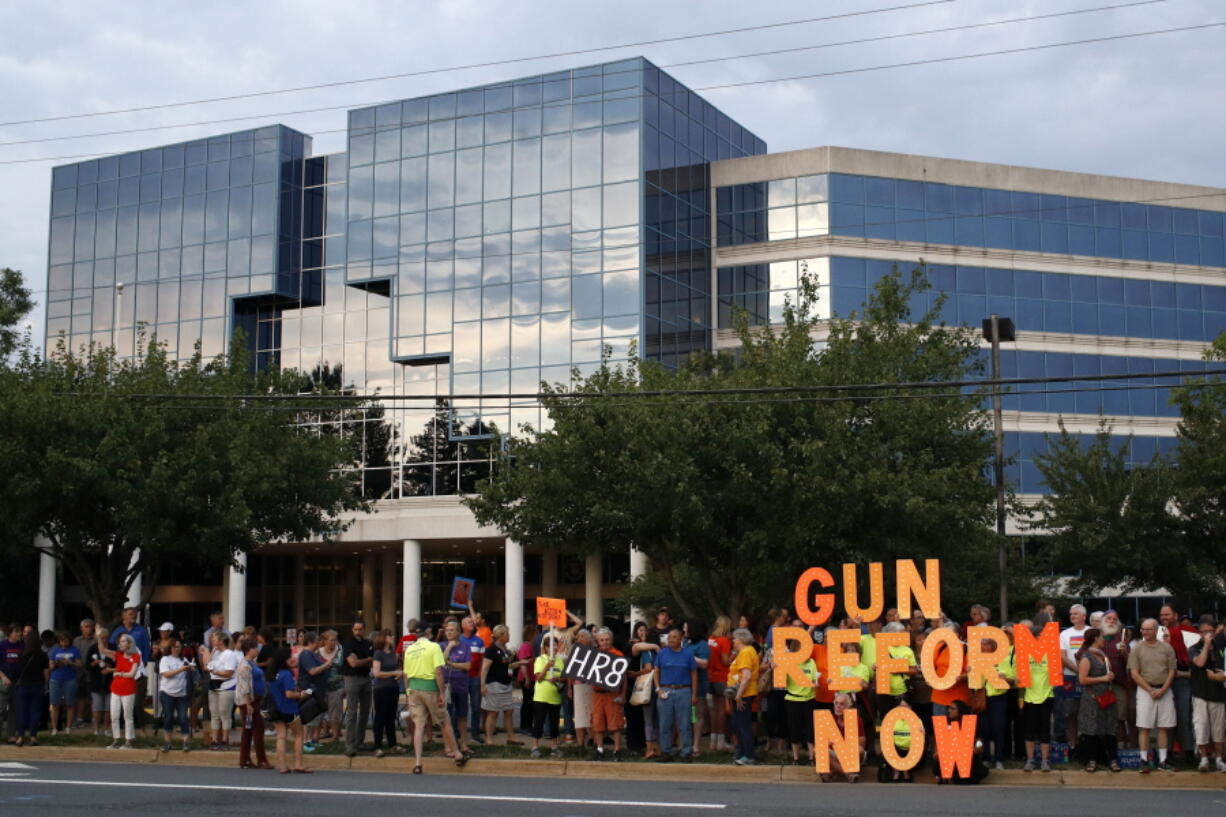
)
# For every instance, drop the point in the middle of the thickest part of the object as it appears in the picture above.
(46, 789)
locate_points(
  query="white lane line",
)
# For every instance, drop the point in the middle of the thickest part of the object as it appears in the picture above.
(13, 774)
(405, 795)
(15, 766)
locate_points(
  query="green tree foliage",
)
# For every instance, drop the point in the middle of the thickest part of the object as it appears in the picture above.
(15, 304)
(731, 496)
(1138, 528)
(107, 473)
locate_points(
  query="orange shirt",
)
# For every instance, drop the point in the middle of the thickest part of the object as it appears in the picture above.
(485, 634)
(959, 691)
(823, 693)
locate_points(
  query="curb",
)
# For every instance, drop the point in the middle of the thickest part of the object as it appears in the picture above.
(698, 772)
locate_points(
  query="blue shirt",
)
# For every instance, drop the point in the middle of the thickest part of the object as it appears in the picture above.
(700, 649)
(675, 667)
(259, 684)
(140, 635)
(280, 685)
(62, 672)
(307, 661)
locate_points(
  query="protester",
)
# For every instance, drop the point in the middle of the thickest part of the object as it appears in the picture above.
(1037, 703)
(476, 651)
(899, 681)
(1068, 695)
(996, 736)
(140, 637)
(1152, 665)
(800, 704)
(676, 683)
(579, 693)
(1115, 647)
(11, 649)
(978, 768)
(525, 656)
(642, 657)
(845, 707)
(457, 655)
(217, 624)
(250, 687)
(124, 689)
(173, 694)
(31, 680)
(330, 652)
(1181, 688)
(83, 642)
(608, 713)
(66, 662)
(1208, 694)
(101, 668)
(222, 664)
(423, 670)
(313, 674)
(547, 695)
(717, 673)
(497, 699)
(694, 637)
(1096, 714)
(743, 684)
(387, 674)
(358, 655)
(286, 698)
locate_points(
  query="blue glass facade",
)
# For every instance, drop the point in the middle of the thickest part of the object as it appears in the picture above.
(1024, 448)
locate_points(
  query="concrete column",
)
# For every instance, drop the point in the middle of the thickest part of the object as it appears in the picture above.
(134, 592)
(410, 598)
(549, 574)
(638, 567)
(387, 593)
(46, 588)
(514, 587)
(594, 584)
(236, 595)
(369, 565)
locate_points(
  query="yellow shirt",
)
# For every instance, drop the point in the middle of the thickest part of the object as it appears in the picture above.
(421, 659)
(748, 659)
(545, 690)
(868, 650)
(1006, 670)
(898, 681)
(805, 692)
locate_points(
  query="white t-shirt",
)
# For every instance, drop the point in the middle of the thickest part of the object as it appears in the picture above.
(225, 660)
(175, 687)
(1071, 640)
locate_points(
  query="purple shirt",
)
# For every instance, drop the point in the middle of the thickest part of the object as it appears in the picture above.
(461, 653)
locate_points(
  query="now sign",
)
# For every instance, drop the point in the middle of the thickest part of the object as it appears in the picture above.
(596, 667)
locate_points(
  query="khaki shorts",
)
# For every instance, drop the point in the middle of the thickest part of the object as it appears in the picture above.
(422, 703)
(607, 716)
(1209, 721)
(1159, 713)
(583, 706)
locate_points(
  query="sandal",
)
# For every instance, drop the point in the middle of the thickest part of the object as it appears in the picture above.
(1115, 766)
(1092, 766)
(303, 771)
(417, 769)
(378, 753)
(283, 771)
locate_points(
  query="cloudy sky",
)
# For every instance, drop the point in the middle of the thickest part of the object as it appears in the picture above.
(1150, 107)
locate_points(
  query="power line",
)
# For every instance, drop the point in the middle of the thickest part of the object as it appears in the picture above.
(487, 64)
(723, 86)
(707, 60)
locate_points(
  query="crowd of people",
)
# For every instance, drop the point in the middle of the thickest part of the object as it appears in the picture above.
(689, 688)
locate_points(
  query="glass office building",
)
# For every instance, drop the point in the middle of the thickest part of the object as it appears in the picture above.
(481, 241)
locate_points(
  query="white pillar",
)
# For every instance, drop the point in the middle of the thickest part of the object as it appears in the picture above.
(410, 602)
(638, 567)
(513, 586)
(387, 592)
(368, 590)
(594, 585)
(46, 589)
(134, 590)
(236, 614)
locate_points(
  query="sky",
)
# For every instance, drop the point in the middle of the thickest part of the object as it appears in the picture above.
(1148, 107)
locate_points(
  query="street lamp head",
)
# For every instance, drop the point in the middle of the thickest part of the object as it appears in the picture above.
(1004, 327)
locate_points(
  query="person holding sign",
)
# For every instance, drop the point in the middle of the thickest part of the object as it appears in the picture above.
(547, 695)
(608, 715)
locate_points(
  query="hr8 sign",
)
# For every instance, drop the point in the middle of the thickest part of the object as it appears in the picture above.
(978, 658)
(595, 667)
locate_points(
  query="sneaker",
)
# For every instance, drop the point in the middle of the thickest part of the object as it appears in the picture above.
(598, 755)
(54, 733)
(1165, 766)
(1221, 765)
(187, 747)
(1029, 767)
(1203, 766)
(1045, 766)
(114, 745)
(535, 753)
(556, 753)
(1000, 767)
(618, 756)
(166, 746)
(309, 746)
(745, 761)
(127, 744)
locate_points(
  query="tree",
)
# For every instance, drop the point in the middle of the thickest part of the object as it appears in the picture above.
(15, 304)
(731, 496)
(1143, 527)
(121, 466)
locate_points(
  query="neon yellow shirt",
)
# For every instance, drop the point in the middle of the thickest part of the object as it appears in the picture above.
(1008, 672)
(545, 690)
(1040, 688)
(868, 650)
(898, 681)
(805, 692)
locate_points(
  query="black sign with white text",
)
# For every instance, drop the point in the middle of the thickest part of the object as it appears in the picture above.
(596, 667)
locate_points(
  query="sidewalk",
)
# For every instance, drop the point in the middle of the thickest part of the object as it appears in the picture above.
(698, 772)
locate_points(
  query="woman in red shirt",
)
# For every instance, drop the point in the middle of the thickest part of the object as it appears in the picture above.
(123, 689)
(717, 671)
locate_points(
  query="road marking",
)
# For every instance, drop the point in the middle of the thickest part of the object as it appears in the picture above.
(403, 795)
(15, 766)
(13, 774)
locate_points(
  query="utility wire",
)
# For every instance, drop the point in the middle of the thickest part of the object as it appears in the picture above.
(707, 60)
(487, 64)
(722, 86)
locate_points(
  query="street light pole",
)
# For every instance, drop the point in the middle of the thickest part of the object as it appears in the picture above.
(996, 329)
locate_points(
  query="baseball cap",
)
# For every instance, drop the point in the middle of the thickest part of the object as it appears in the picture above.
(166, 625)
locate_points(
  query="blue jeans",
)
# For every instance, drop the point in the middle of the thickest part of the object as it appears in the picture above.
(675, 711)
(174, 709)
(64, 693)
(458, 708)
(742, 727)
(474, 706)
(1181, 688)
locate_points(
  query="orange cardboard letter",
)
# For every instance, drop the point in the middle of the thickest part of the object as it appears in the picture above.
(981, 665)
(886, 663)
(787, 662)
(927, 592)
(1044, 648)
(836, 660)
(550, 612)
(876, 592)
(802, 597)
(846, 744)
(912, 737)
(955, 744)
(948, 638)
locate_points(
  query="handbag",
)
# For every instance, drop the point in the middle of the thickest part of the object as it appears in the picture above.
(312, 708)
(641, 696)
(1106, 700)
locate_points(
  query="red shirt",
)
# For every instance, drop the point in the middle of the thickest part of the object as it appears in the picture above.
(124, 663)
(717, 670)
(405, 641)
